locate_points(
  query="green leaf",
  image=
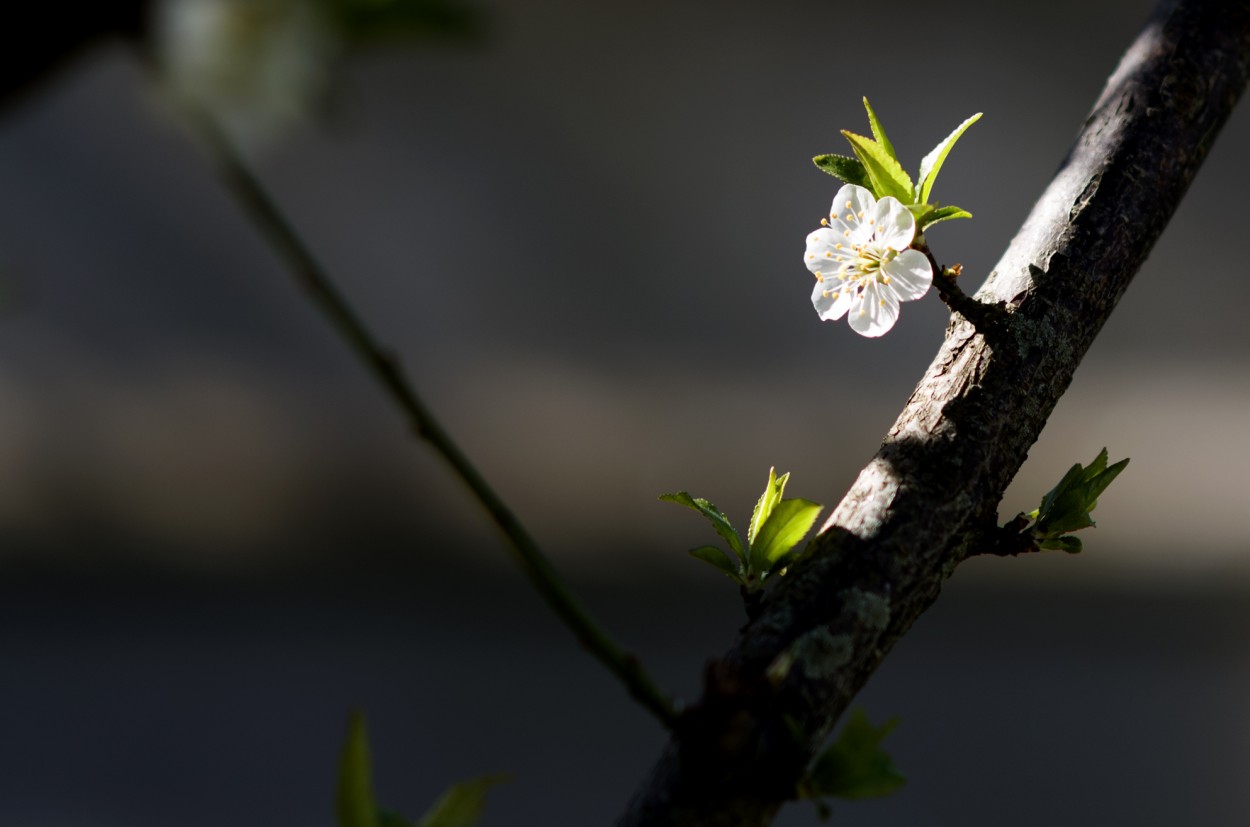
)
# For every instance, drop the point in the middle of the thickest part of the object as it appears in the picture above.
(714, 515)
(878, 131)
(1069, 513)
(1096, 467)
(931, 164)
(1048, 501)
(1098, 484)
(1067, 506)
(939, 215)
(783, 530)
(1068, 543)
(386, 818)
(356, 805)
(855, 766)
(717, 557)
(462, 804)
(767, 502)
(887, 177)
(846, 169)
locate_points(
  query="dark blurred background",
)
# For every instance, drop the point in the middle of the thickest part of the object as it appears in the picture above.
(579, 226)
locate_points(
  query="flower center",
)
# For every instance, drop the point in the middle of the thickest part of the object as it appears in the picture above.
(866, 262)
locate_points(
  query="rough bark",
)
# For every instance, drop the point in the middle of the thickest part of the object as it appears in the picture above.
(930, 494)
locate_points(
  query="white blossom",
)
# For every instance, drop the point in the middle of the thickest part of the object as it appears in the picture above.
(863, 262)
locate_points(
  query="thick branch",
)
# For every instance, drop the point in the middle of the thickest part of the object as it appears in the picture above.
(932, 489)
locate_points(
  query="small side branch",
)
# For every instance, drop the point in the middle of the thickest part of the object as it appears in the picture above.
(1008, 540)
(990, 320)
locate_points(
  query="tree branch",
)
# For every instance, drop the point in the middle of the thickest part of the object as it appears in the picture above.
(932, 490)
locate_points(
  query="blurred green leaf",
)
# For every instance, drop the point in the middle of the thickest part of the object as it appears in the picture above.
(887, 176)
(356, 805)
(462, 804)
(931, 164)
(854, 766)
(847, 169)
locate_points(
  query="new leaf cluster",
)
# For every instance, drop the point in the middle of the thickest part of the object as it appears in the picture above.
(1066, 507)
(777, 527)
(876, 167)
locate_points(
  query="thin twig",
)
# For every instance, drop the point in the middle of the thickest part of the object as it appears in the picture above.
(252, 196)
(988, 319)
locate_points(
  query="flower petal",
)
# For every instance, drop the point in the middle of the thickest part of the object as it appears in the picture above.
(850, 207)
(910, 275)
(832, 299)
(874, 312)
(822, 254)
(895, 225)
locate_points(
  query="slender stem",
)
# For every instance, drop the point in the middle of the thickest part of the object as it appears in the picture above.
(385, 369)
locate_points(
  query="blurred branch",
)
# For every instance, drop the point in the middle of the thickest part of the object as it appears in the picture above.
(385, 369)
(926, 497)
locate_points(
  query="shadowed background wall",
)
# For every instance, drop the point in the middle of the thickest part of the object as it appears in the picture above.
(581, 235)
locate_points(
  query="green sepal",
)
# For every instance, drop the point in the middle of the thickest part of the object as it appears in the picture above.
(931, 164)
(849, 170)
(938, 215)
(717, 557)
(462, 804)
(767, 502)
(854, 766)
(715, 516)
(878, 131)
(783, 530)
(886, 174)
(355, 804)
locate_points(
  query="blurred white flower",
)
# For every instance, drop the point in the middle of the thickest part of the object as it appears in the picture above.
(257, 66)
(862, 261)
